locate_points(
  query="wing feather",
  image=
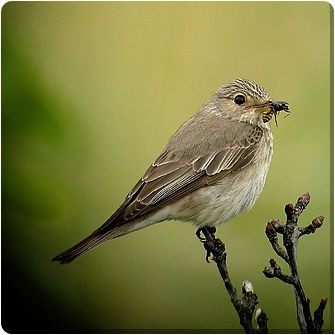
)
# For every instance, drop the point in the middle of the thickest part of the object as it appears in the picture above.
(201, 163)
(151, 189)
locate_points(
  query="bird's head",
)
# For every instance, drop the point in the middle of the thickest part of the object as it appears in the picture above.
(247, 101)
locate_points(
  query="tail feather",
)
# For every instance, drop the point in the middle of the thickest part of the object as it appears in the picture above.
(89, 243)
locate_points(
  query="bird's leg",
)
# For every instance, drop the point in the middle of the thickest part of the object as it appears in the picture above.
(208, 240)
(212, 231)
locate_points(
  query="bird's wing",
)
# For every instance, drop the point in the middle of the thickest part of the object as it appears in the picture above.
(175, 174)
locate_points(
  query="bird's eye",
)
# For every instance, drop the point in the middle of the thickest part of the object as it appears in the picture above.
(239, 99)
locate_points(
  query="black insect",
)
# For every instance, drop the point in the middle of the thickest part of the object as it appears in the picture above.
(278, 106)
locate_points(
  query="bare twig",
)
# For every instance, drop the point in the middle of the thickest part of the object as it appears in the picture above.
(316, 223)
(245, 306)
(262, 321)
(271, 230)
(274, 271)
(318, 314)
(291, 234)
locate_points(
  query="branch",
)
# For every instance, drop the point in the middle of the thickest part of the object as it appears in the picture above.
(316, 223)
(262, 321)
(318, 314)
(291, 234)
(271, 230)
(245, 306)
(274, 271)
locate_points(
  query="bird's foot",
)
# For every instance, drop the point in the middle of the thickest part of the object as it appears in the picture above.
(207, 232)
(208, 240)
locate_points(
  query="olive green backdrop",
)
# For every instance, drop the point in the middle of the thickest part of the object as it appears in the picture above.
(90, 94)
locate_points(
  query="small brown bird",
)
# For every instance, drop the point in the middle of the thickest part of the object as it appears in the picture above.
(212, 168)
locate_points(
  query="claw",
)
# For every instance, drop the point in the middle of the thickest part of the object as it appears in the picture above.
(208, 254)
(206, 232)
(198, 233)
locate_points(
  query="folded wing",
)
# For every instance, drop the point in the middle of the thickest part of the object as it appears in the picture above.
(175, 174)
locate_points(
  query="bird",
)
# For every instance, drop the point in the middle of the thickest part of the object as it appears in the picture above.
(212, 168)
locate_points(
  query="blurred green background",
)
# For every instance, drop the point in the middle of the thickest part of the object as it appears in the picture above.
(90, 94)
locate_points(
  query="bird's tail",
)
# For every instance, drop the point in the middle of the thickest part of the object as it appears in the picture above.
(89, 243)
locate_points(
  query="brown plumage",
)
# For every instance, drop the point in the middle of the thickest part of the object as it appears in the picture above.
(224, 142)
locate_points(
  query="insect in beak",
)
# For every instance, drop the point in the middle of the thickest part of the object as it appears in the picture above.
(278, 106)
(274, 108)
